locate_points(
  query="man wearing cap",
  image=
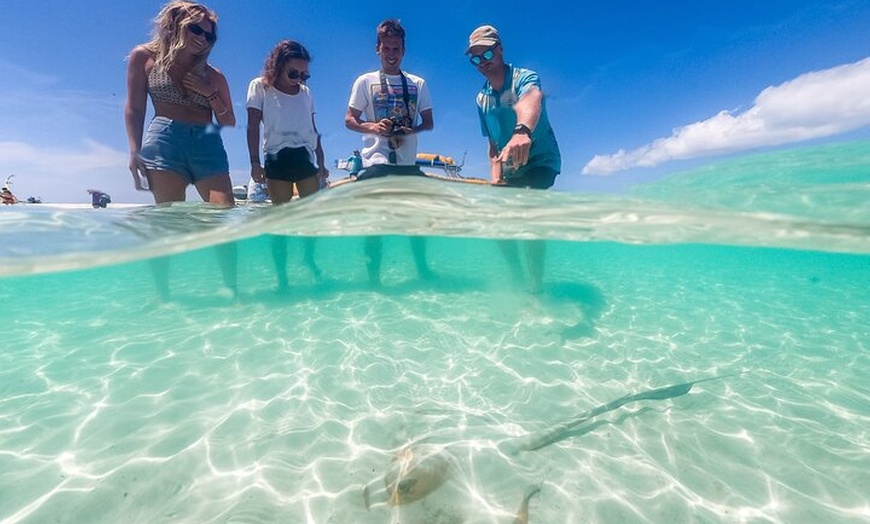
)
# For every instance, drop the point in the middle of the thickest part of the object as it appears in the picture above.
(522, 146)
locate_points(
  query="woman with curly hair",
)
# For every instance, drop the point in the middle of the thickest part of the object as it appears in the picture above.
(181, 146)
(281, 103)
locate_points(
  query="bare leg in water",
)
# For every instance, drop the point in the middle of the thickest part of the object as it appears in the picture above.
(160, 272)
(279, 256)
(536, 252)
(373, 255)
(219, 190)
(168, 186)
(309, 243)
(281, 192)
(418, 249)
(228, 261)
(510, 250)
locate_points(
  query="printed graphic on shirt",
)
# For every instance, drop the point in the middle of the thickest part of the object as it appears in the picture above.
(390, 102)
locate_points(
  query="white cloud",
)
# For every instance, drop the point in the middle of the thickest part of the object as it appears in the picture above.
(59, 142)
(62, 173)
(30, 159)
(24, 76)
(813, 105)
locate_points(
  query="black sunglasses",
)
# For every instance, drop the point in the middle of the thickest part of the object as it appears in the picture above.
(293, 74)
(198, 31)
(486, 56)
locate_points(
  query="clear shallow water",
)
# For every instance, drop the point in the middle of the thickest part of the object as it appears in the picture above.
(282, 406)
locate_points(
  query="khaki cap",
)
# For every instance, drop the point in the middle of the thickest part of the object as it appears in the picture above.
(484, 35)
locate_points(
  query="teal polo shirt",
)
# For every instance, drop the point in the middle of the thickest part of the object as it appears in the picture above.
(498, 119)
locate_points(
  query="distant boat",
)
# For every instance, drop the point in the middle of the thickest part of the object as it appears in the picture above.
(6, 195)
(8, 198)
(251, 193)
(240, 192)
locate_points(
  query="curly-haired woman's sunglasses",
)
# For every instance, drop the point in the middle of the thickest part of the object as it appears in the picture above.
(293, 74)
(198, 31)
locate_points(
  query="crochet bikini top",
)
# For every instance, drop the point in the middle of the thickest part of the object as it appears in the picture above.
(163, 90)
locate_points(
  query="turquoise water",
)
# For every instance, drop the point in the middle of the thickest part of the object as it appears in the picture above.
(281, 406)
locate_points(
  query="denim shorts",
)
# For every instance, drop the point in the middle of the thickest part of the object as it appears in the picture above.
(193, 151)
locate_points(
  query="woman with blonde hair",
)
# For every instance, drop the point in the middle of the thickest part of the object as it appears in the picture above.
(182, 145)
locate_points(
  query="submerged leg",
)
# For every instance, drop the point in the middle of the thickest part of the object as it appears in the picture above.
(536, 254)
(279, 257)
(309, 258)
(373, 254)
(218, 190)
(418, 249)
(511, 253)
(166, 186)
(228, 261)
(160, 272)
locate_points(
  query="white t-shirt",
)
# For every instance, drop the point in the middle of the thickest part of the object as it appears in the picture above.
(368, 97)
(288, 120)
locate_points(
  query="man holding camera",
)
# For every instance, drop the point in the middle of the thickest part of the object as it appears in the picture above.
(392, 102)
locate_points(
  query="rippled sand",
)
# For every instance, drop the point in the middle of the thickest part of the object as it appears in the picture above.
(281, 407)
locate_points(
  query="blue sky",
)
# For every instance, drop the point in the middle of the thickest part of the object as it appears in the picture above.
(635, 89)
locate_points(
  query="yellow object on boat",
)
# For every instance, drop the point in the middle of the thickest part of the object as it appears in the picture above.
(434, 159)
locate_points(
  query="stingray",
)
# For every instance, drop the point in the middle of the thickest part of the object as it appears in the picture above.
(418, 470)
(523, 513)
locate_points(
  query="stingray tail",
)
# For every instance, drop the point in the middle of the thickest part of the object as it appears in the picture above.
(540, 440)
(523, 513)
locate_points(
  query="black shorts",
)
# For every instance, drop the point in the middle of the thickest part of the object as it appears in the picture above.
(379, 170)
(538, 177)
(291, 164)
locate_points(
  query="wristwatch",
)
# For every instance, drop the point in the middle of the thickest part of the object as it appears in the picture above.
(522, 128)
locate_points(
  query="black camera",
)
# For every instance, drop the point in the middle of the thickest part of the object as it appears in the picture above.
(399, 124)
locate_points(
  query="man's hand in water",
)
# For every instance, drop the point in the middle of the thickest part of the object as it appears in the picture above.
(516, 152)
